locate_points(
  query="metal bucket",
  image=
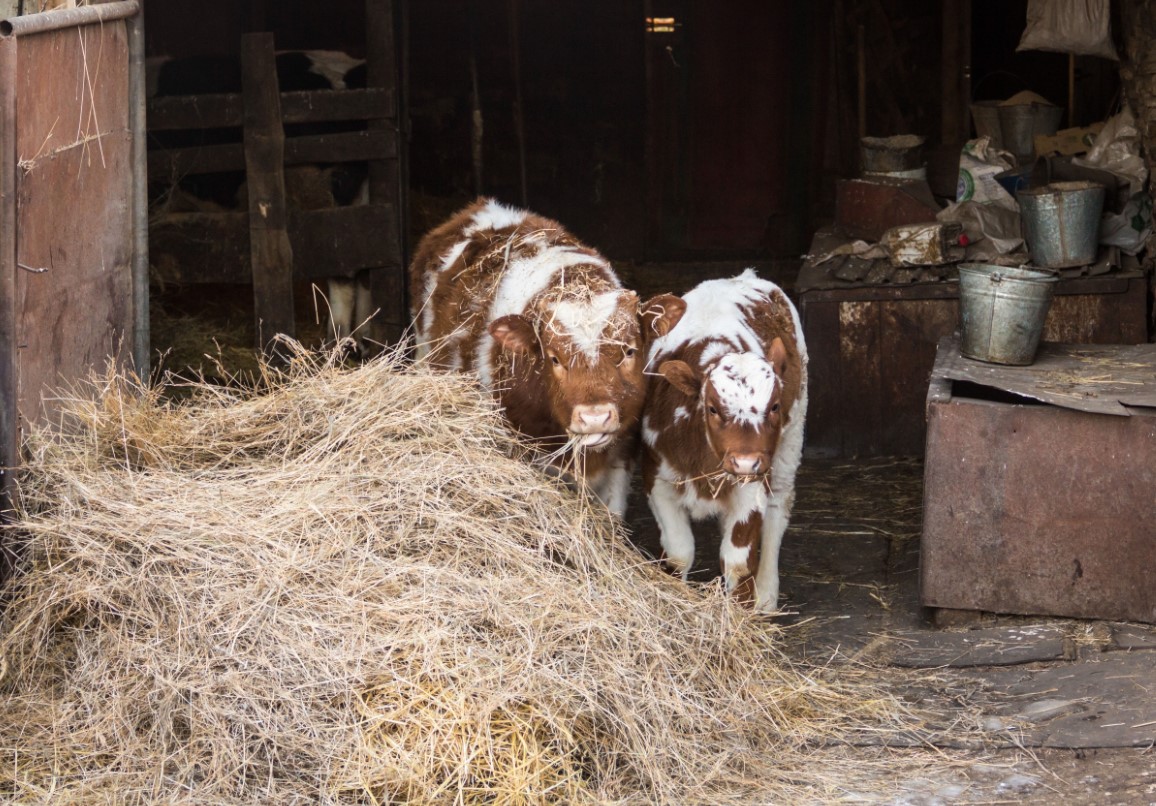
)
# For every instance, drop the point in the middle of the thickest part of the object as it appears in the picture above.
(1002, 311)
(985, 116)
(1062, 222)
(1020, 123)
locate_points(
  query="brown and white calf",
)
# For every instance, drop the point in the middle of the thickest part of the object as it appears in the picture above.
(547, 326)
(723, 429)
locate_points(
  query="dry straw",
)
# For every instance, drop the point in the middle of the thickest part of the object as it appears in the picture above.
(345, 587)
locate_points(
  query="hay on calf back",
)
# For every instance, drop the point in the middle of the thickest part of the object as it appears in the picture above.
(349, 589)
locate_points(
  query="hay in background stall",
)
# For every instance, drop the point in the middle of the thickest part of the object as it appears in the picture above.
(349, 589)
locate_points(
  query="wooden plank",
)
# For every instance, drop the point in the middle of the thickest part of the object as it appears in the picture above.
(189, 248)
(861, 404)
(327, 148)
(9, 425)
(269, 247)
(226, 111)
(1097, 378)
(909, 334)
(825, 427)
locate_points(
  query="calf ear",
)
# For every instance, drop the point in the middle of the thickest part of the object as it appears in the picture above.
(777, 355)
(681, 376)
(660, 314)
(514, 334)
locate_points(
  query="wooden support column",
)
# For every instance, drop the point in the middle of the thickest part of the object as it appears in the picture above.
(269, 250)
(955, 72)
(387, 284)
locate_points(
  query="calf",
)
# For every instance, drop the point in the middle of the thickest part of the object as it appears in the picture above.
(547, 326)
(723, 429)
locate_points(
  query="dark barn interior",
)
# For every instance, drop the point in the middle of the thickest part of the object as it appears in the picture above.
(688, 141)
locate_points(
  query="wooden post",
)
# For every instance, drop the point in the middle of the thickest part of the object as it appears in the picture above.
(9, 393)
(269, 249)
(387, 284)
(861, 48)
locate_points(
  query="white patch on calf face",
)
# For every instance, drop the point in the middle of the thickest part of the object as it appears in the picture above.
(496, 216)
(744, 383)
(681, 414)
(585, 322)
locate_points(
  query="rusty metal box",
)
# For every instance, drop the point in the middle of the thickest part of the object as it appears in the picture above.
(1040, 484)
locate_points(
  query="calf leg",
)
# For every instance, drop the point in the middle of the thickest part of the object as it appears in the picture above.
(739, 552)
(673, 526)
(341, 308)
(767, 579)
(613, 487)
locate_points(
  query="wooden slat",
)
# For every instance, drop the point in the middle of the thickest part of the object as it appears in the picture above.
(345, 147)
(269, 247)
(189, 248)
(227, 110)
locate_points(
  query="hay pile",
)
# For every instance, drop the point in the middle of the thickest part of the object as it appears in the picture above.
(346, 588)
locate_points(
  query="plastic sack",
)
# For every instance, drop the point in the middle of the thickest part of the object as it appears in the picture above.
(1117, 150)
(1082, 27)
(979, 164)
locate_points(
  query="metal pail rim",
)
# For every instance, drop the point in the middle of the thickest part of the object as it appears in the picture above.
(997, 274)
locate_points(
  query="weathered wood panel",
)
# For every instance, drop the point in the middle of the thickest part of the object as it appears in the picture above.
(226, 111)
(74, 203)
(214, 247)
(877, 346)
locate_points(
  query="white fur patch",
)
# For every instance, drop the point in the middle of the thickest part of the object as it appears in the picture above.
(585, 322)
(649, 434)
(495, 215)
(714, 312)
(745, 383)
(681, 414)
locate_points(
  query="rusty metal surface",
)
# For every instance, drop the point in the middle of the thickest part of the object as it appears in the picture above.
(73, 292)
(1037, 509)
(873, 348)
(868, 208)
(1103, 379)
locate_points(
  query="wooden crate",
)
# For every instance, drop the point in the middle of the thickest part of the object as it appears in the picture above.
(872, 349)
(1038, 484)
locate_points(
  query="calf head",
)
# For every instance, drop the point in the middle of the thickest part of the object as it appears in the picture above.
(739, 396)
(584, 354)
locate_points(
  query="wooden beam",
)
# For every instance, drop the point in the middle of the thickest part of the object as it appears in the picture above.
(387, 284)
(269, 247)
(227, 111)
(190, 248)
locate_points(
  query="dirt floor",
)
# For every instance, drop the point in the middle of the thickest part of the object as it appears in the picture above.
(1022, 709)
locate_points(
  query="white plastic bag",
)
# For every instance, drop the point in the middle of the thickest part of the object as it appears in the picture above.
(1082, 27)
(1117, 150)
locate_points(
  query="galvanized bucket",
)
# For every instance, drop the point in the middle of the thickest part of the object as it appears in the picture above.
(1062, 223)
(1020, 123)
(1002, 311)
(985, 116)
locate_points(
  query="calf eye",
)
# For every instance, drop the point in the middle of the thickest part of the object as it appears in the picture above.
(775, 407)
(630, 351)
(555, 361)
(713, 411)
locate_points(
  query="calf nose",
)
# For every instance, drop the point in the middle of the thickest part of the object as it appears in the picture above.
(597, 419)
(744, 464)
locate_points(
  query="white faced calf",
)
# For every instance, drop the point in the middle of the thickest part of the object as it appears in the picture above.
(723, 429)
(545, 323)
